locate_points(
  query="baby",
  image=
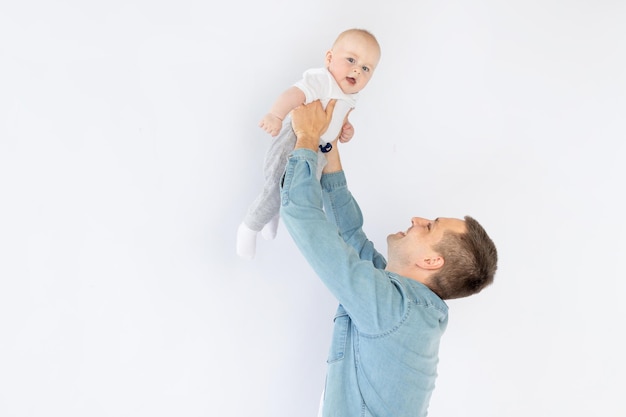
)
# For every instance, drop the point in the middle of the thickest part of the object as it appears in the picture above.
(349, 66)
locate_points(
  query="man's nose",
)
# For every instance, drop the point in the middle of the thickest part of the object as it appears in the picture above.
(419, 221)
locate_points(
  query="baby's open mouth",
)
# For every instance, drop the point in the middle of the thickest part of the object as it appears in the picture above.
(351, 80)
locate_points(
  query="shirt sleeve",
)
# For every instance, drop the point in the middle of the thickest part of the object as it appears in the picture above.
(343, 210)
(315, 85)
(341, 256)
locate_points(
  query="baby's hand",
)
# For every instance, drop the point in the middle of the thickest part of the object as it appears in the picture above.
(347, 131)
(271, 124)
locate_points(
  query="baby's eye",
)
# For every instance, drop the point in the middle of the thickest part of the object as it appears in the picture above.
(366, 69)
(351, 60)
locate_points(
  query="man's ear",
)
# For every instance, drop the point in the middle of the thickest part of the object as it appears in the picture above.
(432, 263)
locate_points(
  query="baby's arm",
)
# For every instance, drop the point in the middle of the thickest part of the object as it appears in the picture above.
(291, 98)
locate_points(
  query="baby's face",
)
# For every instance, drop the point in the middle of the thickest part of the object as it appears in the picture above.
(352, 62)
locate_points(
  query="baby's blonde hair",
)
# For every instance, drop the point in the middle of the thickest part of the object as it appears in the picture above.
(361, 32)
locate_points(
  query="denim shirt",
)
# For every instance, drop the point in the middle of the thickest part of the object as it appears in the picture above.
(384, 350)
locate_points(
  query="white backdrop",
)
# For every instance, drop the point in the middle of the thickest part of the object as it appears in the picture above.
(129, 152)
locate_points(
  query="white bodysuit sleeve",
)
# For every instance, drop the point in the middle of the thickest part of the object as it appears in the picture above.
(315, 84)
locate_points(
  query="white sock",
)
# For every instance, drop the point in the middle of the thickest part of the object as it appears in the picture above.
(269, 230)
(246, 242)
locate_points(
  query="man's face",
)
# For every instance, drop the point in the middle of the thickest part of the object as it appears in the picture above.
(418, 241)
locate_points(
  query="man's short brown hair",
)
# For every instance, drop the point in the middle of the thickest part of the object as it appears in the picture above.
(470, 262)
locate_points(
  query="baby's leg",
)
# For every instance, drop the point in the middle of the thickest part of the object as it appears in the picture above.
(260, 214)
(264, 212)
(269, 230)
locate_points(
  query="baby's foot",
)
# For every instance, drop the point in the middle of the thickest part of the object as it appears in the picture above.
(269, 230)
(246, 242)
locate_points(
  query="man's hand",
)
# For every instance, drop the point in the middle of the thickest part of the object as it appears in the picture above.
(309, 123)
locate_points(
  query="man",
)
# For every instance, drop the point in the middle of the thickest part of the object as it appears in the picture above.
(384, 350)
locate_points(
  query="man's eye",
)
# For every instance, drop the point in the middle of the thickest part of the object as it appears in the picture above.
(428, 226)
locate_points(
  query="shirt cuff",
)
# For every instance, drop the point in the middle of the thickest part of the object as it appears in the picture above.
(304, 153)
(333, 181)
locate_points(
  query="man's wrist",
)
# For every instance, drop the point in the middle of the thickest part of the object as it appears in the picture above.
(308, 141)
(333, 162)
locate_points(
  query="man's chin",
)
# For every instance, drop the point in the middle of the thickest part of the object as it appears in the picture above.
(394, 236)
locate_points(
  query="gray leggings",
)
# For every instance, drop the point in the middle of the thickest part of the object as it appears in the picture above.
(267, 204)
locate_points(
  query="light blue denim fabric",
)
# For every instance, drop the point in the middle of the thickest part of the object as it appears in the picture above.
(384, 351)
